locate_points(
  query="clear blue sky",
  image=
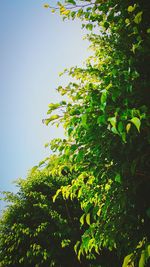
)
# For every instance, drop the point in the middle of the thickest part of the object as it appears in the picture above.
(35, 45)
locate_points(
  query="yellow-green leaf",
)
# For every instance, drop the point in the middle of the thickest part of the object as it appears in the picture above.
(128, 127)
(136, 121)
(131, 8)
(138, 17)
(112, 120)
(142, 260)
(88, 218)
(127, 21)
(76, 246)
(82, 219)
(148, 30)
(66, 12)
(53, 117)
(46, 5)
(128, 261)
(109, 86)
(56, 195)
(107, 187)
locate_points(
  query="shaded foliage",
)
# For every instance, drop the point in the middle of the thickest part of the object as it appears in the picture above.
(34, 231)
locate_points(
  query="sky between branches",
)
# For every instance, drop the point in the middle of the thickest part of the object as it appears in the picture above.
(35, 46)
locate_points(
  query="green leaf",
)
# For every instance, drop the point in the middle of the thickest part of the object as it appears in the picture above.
(53, 106)
(101, 119)
(127, 21)
(128, 127)
(88, 219)
(46, 5)
(73, 14)
(70, 130)
(131, 8)
(41, 163)
(53, 10)
(136, 121)
(118, 178)
(142, 260)
(52, 118)
(127, 261)
(84, 120)
(107, 187)
(79, 13)
(71, 2)
(82, 219)
(65, 243)
(80, 156)
(56, 195)
(89, 27)
(106, 25)
(114, 130)
(148, 30)
(138, 17)
(120, 127)
(148, 250)
(112, 120)
(76, 246)
(103, 99)
(109, 86)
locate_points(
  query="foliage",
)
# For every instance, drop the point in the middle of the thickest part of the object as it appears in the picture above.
(107, 119)
(34, 231)
(105, 155)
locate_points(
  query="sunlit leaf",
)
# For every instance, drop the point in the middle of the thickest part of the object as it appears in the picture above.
(88, 218)
(138, 17)
(136, 121)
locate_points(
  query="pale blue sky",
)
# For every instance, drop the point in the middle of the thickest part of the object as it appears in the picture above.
(35, 45)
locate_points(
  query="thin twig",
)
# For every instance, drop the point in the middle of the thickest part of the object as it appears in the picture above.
(72, 7)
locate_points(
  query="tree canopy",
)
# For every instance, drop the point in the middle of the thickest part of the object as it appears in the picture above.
(33, 226)
(105, 154)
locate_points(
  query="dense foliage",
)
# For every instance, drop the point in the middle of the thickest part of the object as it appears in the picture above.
(106, 118)
(33, 226)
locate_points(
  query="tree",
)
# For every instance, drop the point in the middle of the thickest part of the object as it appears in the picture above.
(34, 231)
(107, 123)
